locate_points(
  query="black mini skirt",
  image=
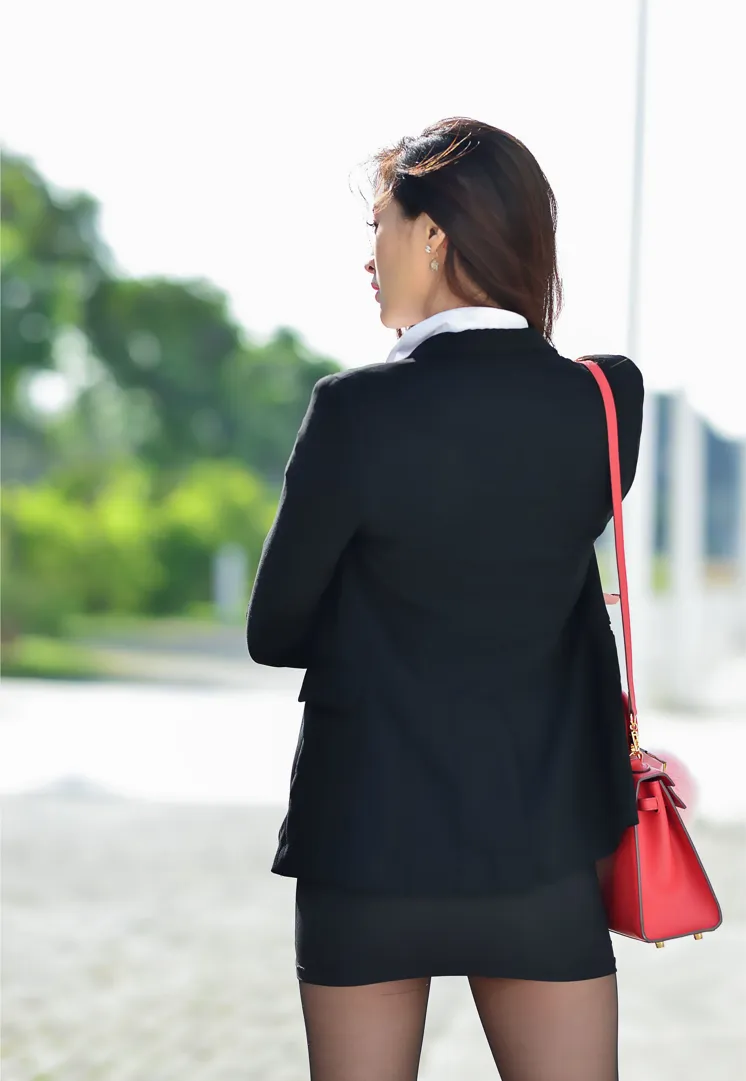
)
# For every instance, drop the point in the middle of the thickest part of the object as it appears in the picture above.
(557, 931)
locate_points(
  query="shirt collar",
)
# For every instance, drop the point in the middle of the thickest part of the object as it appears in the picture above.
(455, 319)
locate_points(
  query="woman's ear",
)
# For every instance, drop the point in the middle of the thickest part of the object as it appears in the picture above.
(436, 238)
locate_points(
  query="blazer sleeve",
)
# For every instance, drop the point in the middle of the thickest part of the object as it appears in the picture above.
(317, 515)
(626, 382)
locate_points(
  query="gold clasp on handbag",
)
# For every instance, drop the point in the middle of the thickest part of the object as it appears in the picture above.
(634, 735)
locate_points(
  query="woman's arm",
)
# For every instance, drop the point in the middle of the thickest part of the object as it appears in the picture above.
(317, 515)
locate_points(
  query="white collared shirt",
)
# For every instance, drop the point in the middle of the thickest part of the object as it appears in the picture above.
(455, 319)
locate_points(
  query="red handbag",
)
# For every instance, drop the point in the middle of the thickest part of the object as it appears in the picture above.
(654, 885)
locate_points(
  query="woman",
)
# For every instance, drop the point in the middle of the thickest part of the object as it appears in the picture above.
(462, 762)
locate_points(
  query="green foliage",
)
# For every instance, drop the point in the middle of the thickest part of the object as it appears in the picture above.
(217, 503)
(121, 549)
(166, 343)
(63, 555)
(35, 657)
(122, 570)
(158, 368)
(52, 257)
(45, 539)
(169, 440)
(267, 391)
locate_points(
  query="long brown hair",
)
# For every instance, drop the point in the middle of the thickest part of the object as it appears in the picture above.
(487, 193)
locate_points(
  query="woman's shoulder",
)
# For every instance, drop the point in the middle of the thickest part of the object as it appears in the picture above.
(621, 372)
(361, 383)
(624, 378)
(627, 386)
(368, 388)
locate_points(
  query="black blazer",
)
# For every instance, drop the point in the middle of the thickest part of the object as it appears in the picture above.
(432, 565)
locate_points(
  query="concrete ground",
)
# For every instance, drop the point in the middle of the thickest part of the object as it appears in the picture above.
(149, 942)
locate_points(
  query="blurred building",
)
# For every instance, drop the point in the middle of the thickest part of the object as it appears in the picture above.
(686, 554)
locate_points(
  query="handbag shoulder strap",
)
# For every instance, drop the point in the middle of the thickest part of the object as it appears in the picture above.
(616, 501)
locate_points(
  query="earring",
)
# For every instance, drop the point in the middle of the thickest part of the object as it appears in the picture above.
(434, 264)
(428, 249)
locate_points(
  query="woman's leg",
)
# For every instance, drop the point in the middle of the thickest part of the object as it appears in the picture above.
(540, 1031)
(368, 1033)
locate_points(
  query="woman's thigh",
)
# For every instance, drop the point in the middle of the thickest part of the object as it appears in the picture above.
(366, 1032)
(550, 1031)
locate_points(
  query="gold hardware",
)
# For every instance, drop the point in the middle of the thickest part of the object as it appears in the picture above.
(634, 735)
(659, 945)
(698, 937)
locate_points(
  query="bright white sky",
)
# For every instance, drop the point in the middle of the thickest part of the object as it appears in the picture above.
(220, 139)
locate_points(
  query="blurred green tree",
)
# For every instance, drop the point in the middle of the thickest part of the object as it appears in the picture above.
(165, 343)
(52, 258)
(266, 391)
(126, 550)
(155, 367)
(215, 503)
(141, 429)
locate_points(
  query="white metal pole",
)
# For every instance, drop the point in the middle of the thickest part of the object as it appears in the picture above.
(639, 506)
(638, 171)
